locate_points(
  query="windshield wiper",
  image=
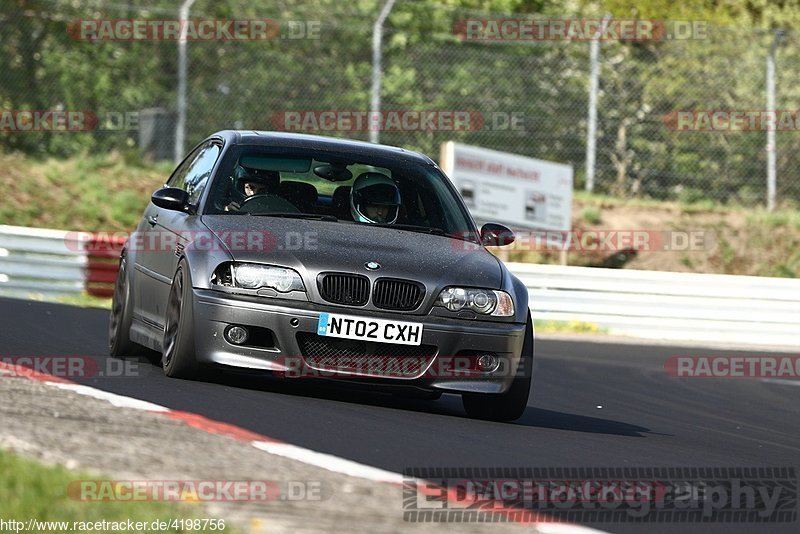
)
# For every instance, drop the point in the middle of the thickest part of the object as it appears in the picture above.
(427, 230)
(414, 228)
(289, 215)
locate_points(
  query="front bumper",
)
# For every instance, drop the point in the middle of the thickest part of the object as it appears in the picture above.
(215, 311)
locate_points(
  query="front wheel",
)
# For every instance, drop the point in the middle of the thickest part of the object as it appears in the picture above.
(121, 316)
(510, 405)
(178, 359)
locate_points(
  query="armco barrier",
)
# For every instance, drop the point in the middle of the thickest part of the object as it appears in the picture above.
(102, 262)
(33, 260)
(665, 305)
(646, 304)
(56, 262)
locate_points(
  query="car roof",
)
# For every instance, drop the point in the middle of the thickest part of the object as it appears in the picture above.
(319, 142)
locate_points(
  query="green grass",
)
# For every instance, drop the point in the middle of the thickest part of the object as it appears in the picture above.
(775, 219)
(700, 206)
(788, 269)
(727, 256)
(80, 300)
(685, 203)
(104, 192)
(30, 490)
(600, 200)
(591, 215)
(84, 300)
(567, 327)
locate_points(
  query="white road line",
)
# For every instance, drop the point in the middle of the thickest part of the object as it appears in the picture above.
(782, 381)
(321, 460)
(116, 400)
(329, 462)
(566, 528)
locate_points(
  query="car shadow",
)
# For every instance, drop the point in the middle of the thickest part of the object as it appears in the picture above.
(541, 418)
(448, 405)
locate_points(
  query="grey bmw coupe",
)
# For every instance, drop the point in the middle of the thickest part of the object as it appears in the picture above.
(314, 257)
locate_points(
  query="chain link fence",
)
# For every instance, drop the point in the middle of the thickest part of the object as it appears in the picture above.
(657, 133)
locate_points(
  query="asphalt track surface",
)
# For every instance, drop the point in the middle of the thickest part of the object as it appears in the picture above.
(592, 405)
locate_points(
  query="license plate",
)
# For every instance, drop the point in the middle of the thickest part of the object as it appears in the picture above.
(382, 330)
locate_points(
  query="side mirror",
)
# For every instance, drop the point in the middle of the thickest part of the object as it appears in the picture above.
(171, 198)
(496, 235)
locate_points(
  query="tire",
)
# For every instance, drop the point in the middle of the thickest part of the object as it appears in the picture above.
(178, 359)
(510, 405)
(121, 316)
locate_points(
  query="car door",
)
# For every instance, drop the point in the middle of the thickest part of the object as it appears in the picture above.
(167, 231)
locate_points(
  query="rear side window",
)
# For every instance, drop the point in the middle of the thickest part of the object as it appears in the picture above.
(192, 176)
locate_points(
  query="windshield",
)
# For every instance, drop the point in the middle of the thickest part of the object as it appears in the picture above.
(256, 181)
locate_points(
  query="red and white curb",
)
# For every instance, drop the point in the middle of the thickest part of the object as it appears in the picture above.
(321, 460)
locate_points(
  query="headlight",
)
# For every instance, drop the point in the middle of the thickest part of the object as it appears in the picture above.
(255, 276)
(483, 301)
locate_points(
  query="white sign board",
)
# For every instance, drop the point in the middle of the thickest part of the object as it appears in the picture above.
(518, 191)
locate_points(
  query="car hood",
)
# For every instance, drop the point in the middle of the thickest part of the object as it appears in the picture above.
(312, 246)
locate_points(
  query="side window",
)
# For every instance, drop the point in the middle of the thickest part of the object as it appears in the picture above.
(193, 175)
(178, 178)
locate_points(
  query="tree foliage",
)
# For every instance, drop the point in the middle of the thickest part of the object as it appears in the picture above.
(428, 66)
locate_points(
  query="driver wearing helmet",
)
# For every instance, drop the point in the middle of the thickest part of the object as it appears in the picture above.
(374, 199)
(251, 182)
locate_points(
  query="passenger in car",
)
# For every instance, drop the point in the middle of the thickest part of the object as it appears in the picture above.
(375, 198)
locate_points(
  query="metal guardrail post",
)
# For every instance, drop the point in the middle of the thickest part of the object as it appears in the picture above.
(180, 129)
(772, 148)
(377, 73)
(594, 87)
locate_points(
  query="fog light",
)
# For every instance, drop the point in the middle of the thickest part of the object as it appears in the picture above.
(236, 334)
(488, 363)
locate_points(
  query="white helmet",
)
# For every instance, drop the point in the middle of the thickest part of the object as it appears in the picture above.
(375, 199)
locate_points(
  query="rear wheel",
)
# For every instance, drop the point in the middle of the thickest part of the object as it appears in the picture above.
(178, 358)
(510, 405)
(121, 316)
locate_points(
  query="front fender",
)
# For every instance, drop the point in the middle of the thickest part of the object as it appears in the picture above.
(203, 254)
(518, 291)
